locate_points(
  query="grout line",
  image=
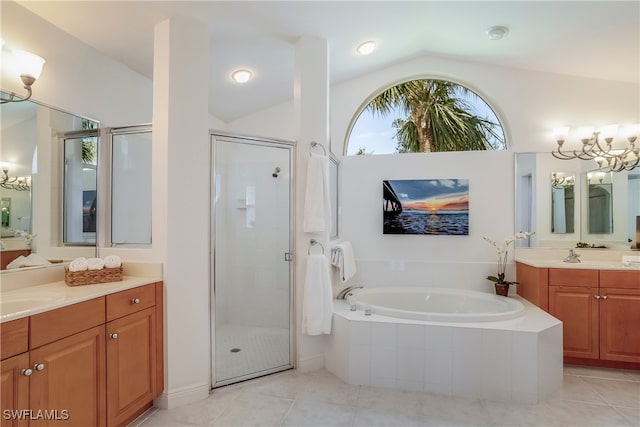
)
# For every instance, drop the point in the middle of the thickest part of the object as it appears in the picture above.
(288, 412)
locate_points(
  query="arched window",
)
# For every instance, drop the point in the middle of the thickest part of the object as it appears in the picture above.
(425, 115)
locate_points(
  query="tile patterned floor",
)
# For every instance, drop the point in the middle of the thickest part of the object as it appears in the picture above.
(589, 397)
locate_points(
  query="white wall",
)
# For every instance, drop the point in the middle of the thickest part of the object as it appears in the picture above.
(530, 105)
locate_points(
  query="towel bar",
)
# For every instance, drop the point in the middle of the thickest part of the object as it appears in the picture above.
(317, 144)
(312, 243)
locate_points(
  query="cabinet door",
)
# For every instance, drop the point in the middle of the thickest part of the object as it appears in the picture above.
(71, 382)
(131, 365)
(620, 324)
(577, 307)
(14, 394)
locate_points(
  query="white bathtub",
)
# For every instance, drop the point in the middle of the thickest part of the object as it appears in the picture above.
(438, 304)
(516, 359)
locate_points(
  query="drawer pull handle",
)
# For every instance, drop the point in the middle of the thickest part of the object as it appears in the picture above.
(604, 297)
(135, 301)
(597, 296)
(26, 372)
(39, 366)
(113, 336)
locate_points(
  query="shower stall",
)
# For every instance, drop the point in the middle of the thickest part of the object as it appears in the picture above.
(251, 257)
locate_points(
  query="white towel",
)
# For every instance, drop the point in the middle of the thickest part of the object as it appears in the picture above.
(95, 264)
(317, 206)
(33, 260)
(631, 260)
(79, 264)
(112, 261)
(17, 263)
(345, 261)
(317, 303)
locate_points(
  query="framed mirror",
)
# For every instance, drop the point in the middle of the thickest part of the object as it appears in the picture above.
(33, 153)
(607, 218)
(562, 202)
(600, 202)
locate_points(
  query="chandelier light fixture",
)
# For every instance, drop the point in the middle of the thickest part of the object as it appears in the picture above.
(597, 145)
(27, 65)
(18, 183)
(560, 180)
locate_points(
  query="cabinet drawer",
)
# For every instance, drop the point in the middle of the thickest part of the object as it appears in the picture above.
(14, 337)
(129, 301)
(572, 277)
(53, 325)
(620, 279)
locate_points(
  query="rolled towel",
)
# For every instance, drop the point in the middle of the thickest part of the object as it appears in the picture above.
(95, 263)
(112, 261)
(79, 264)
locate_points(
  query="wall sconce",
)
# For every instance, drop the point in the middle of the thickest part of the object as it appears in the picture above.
(609, 159)
(559, 180)
(29, 66)
(18, 183)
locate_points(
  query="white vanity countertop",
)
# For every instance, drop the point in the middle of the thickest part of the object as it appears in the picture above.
(23, 301)
(590, 259)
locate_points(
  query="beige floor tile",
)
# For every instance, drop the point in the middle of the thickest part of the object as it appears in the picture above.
(563, 413)
(616, 392)
(390, 401)
(590, 397)
(310, 413)
(255, 410)
(461, 410)
(576, 388)
(329, 389)
(633, 415)
(366, 417)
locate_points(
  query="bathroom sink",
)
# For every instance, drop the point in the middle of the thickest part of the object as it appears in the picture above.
(14, 303)
(587, 264)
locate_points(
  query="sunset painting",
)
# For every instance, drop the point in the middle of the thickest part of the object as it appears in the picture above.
(426, 206)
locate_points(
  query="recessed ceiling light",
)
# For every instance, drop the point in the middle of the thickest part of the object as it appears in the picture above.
(497, 32)
(366, 48)
(241, 76)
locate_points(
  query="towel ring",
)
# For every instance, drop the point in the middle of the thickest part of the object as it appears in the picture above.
(317, 144)
(312, 243)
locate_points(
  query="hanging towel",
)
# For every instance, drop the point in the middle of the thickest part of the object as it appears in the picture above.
(317, 206)
(346, 261)
(317, 303)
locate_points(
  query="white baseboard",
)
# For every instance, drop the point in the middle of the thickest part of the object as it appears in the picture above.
(182, 396)
(310, 363)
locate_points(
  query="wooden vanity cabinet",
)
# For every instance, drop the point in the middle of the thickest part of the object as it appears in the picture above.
(14, 388)
(131, 353)
(80, 370)
(599, 309)
(620, 316)
(573, 299)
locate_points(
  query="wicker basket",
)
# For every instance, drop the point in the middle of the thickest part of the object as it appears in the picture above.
(88, 277)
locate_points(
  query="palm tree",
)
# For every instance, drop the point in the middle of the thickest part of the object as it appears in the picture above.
(439, 119)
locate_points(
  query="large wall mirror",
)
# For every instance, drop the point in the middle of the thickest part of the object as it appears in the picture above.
(49, 185)
(566, 202)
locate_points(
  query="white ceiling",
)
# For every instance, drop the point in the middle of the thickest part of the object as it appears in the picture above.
(582, 38)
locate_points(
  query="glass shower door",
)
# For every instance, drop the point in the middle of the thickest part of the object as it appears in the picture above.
(252, 268)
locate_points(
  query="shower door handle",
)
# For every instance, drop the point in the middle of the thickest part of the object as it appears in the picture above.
(288, 256)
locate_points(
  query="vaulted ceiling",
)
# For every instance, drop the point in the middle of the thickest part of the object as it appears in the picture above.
(582, 38)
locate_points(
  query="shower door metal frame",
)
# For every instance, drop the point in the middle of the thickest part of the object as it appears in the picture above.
(215, 135)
